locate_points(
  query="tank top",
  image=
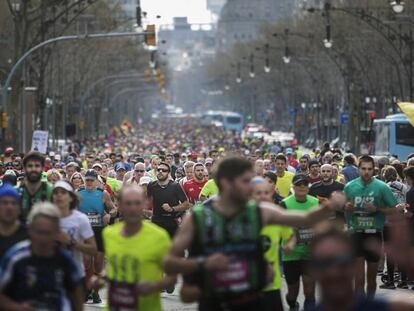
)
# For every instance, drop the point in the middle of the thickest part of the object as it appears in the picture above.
(91, 204)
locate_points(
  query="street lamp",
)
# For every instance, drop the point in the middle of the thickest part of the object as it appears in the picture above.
(227, 87)
(286, 57)
(397, 6)
(267, 69)
(238, 80)
(251, 73)
(16, 6)
(327, 42)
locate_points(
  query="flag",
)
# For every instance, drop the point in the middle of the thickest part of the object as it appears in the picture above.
(408, 110)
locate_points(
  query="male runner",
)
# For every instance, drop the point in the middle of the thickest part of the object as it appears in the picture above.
(223, 238)
(192, 187)
(284, 178)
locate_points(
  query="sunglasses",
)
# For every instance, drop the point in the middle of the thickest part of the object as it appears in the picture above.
(322, 264)
(140, 171)
(163, 170)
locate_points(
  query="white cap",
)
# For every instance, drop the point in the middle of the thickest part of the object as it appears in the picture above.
(58, 157)
(10, 172)
(63, 184)
(144, 180)
(51, 154)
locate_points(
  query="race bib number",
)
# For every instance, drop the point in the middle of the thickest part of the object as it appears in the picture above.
(122, 297)
(95, 219)
(234, 279)
(364, 223)
(304, 236)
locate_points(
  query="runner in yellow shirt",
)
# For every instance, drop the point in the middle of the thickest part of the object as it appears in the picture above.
(135, 250)
(284, 178)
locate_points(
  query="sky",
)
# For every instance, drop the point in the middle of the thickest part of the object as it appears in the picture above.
(195, 10)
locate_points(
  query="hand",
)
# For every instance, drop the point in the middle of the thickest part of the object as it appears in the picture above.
(64, 238)
(106, 219)
(166, 207)
(337, 200)
(147, 288)
(370, 208)
(216, 262)
(288, 249)
(349, 207)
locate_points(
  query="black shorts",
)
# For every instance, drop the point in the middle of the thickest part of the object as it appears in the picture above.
(272, 301)
(97, 231)
(168, 224)
(294, 270)
(362, 245)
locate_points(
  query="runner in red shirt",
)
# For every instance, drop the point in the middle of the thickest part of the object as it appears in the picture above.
(192, 187)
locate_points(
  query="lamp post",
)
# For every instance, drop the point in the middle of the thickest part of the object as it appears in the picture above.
(397, 6)
(252, 73)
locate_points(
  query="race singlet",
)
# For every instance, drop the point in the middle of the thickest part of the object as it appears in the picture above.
(235, 278)
(122, 296)
(95, 219)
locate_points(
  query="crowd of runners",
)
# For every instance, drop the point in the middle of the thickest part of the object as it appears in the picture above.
(233, 217)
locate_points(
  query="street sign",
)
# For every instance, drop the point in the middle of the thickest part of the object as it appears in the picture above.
(39, 141)
(344, 118)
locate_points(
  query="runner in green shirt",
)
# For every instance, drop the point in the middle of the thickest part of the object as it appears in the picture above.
(369, 201)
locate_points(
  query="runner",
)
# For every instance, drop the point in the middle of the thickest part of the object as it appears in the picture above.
(314, 171)
(324, 188)
(168, 200)
(233, 271)
(303, 167)
(76, 232)
(193, 187)
(271, 178)
(369, 200)
(70, 169)
(98, 207)
(37, 275)
(11, 229)
(138, 173)
(332, 266)
(259, 167)
(284, 178)
(135, 251)
(33, 190)
(295, 264)
(350, 171)
(209, 190)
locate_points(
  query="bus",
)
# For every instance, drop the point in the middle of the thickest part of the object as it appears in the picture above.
(230, 121)
(393, 135)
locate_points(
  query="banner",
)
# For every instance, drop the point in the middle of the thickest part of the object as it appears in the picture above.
(408, 110)
(39, 141)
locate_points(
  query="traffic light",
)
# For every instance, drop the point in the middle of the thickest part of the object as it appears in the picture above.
(4, 120)
(150, 37)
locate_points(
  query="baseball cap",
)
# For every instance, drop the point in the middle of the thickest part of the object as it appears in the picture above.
(10, 172)
(91, 175)
(70, 159)
(51, 154)
(97, 165)
(9, 150)
(8, 190)
(64, 185)
(289, 151)
(144, 180)
(120, 167)
(299, 178)
(58, 157)
(208, 161)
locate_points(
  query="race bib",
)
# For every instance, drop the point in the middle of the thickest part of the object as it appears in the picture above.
(234, 279)
(364, 223)
(304, 236)
(95, 219)
(122, 297)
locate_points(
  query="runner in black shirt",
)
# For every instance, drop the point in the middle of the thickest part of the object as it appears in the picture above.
(168, 200)
(324, 188)
(11, 230)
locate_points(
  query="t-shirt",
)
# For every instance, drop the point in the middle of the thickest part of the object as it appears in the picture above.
(350, 173)
(210, 189)
(314, 180)
(115, 184)
(303, 235)
(376, 193)
(134, 260)
(271, 238)
(77, 226)
(7, 242)
(42, 281)
(172, 194)
(284, 184)
(44, 193)
(321, 191)
(192, 189)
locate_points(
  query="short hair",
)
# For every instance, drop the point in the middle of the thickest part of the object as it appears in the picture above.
(410, 162)
(349, 158)
(34, 156)
(272, 176)
(389, 173)
(281, 157)
(367, 159)
(198, 164)
(44, 209)
(54, 172)
(409, 172)
(165, 164)
(328, 230)
(230, 168)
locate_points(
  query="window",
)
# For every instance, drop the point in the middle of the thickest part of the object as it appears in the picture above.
(381, 139)
(405, 134)
(233, 120)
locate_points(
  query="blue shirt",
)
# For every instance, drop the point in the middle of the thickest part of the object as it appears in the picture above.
(350, 173)
(44, 282)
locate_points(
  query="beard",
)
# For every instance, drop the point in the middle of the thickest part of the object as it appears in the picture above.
(34, 177)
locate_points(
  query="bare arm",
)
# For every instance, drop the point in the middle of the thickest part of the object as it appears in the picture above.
(182, 207)
(109, 205)
(7, 303)
(87, 247)
(402, 306)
